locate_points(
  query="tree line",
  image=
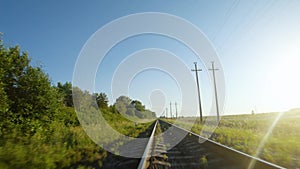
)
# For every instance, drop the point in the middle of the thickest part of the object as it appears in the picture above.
(123, 105)
(38, 121)
(27, 94)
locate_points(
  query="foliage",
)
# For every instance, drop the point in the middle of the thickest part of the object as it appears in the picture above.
(66, 91)
(38, 125)
(133, 108)
(102, 100)
(56, 146)
(26, 91)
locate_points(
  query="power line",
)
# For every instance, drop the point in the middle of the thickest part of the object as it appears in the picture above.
(227, 16)
(199, 97)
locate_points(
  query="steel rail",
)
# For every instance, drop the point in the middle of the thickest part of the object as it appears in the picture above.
(146, 154)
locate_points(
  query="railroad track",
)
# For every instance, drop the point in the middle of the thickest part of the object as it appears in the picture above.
(192, 154)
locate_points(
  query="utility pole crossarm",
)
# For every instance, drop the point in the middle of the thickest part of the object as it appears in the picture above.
(197, 70)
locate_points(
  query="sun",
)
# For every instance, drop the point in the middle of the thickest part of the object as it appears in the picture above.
(283, 79)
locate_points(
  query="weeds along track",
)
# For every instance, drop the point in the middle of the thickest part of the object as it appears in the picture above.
(193, 152)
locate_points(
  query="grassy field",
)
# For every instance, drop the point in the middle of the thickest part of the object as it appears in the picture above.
(254, 135)
(61, 146)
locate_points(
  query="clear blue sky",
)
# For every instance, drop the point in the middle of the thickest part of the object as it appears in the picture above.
(258, 43)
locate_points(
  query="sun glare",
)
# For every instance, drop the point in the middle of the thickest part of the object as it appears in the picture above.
(283, 79)
(264, 140)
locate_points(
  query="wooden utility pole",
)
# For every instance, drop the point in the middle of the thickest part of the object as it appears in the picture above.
(199, 97)
(176, 109)
(171, 109)
(166, 112)
(216, 93)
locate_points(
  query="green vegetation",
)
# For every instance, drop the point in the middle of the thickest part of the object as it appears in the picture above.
(133, 108)
(247, 132)
(38, 125)
(204, 162)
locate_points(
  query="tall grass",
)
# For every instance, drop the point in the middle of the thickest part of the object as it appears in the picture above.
(246, 132)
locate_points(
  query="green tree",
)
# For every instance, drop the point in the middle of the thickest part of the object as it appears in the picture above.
(27, 92)
(66, 91)
(129, 107)
(4, 106)
(14, 65)
(102, 100)
(36, 129)
(138, 105)
(122, 104)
